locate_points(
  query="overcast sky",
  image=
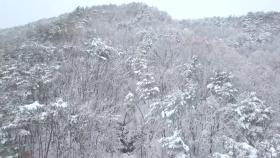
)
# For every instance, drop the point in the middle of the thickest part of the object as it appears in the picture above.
(18, 12)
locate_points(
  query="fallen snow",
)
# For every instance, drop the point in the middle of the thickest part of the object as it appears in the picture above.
(60, 103)
(33, 106)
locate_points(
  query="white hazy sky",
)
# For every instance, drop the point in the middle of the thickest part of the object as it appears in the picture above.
(19, 12)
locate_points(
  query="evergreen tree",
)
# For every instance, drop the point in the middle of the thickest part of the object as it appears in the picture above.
(254, 117)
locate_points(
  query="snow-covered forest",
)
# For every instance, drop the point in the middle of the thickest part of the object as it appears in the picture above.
(131, 82)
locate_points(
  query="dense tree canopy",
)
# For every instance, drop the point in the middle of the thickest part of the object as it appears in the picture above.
(129, 81)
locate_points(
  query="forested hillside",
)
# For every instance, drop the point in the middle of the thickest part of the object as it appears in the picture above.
(131, 82)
